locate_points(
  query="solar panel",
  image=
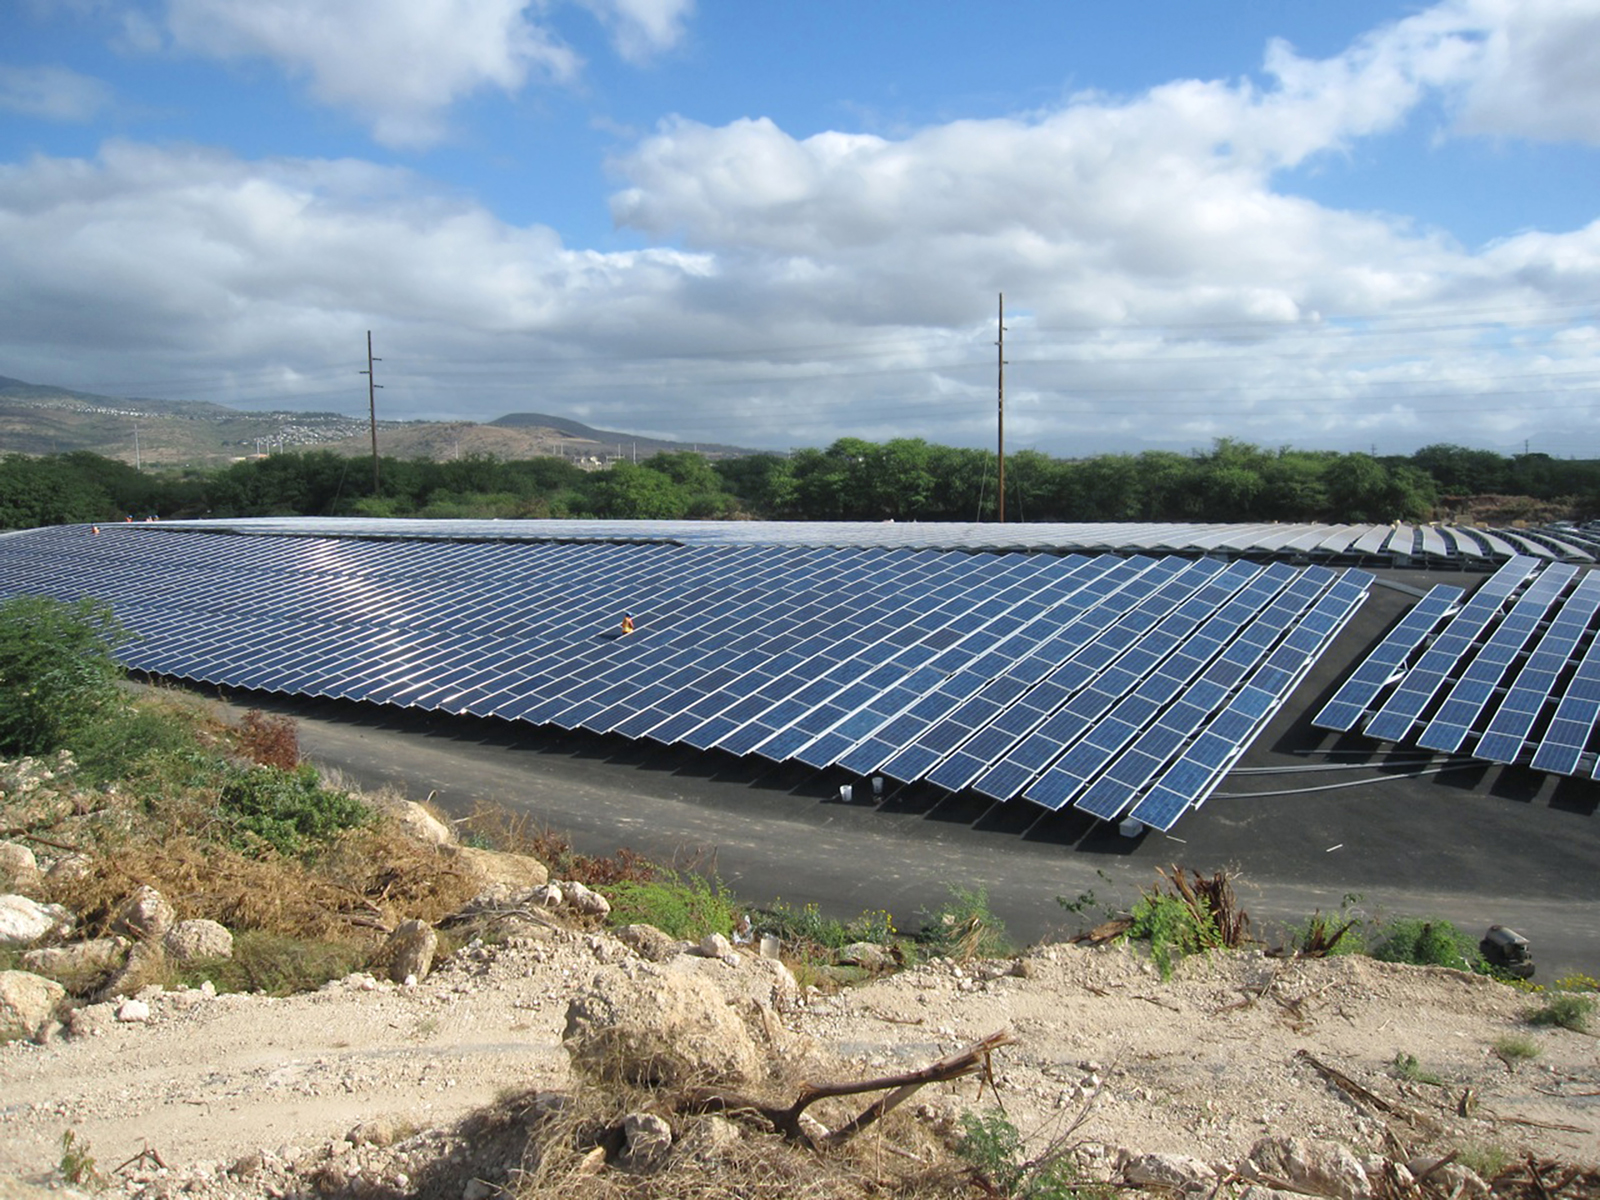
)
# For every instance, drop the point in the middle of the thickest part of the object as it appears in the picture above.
(1472, 691)
(1393, 722)
(1563, 744)
(1508, 731)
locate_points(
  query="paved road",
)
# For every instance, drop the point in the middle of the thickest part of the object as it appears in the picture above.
(1476, 847)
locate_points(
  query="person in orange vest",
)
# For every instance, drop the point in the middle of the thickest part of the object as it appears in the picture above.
(627, 623)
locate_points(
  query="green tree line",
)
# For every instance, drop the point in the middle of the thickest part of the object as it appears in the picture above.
(906, 479)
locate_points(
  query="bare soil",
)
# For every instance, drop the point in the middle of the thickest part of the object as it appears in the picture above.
(1203, 1064)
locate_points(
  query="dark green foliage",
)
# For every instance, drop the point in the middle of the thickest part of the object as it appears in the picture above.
(1426, 942)
(58, 671)
(807, 927)
(964, 927)
(681, 906)
(1173, 929)
(994, 1148)
(288, 811)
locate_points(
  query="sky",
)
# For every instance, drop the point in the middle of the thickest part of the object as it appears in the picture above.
(1357, 226)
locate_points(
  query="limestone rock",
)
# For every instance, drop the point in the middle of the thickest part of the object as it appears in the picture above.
(146, 963)
(92, 1020)
(585, 899)
(380, 1131)
(80, 967)
(1305, 1165)
(648, 942)
(547, 895)
(409, 950)
(650, 1027)
(1166, 1172)
(70, 868)
(28, 1004)
(191, 941)
(714, 945)
(422, 824)
(868, 955)
(25, 922)
(133, 1012)
(19, 869)
(1452, 1178)
(144, 915)
(496, 866)
(646, 1140)
(710, 1139)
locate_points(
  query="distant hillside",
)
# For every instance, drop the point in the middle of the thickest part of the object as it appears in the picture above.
(44, 419)
(614, 441)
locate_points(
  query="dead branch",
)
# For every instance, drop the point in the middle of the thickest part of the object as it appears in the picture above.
(972, 1060)
(25, 832)
(1107, 931)
(1365, 1096)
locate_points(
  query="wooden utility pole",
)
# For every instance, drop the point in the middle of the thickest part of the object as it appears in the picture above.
(372, 408)
(1001, 357)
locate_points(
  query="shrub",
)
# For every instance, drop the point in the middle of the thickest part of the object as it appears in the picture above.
(58, 671)
(1568, 1010)
(290, 811)
(808, 926)
(681, 906)
(994, 1148)
(1514, 1048)
(1405, 1066)
(270, 741)
(1197, 913)
(1428, 943)
(276, 964)
(964, 927)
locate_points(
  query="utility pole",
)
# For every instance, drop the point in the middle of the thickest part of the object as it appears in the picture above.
(372, 407)
(1001, 359)
(138, 459)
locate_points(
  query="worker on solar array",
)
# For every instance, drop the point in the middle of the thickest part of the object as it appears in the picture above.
(627, 622)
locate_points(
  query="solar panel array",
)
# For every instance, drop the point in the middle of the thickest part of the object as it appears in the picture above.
(1512, 675)
(1449, 546)
(1112, 685)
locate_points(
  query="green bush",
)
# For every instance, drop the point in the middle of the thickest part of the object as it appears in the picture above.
(681, 906)
(289, 811)
(1172, 928)
(808, 925)
(1428, 943)
(1568, 1010)
(994, 1148)
(964, 927)
(58, 671)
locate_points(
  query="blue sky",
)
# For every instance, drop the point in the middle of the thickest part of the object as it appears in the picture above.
(1330, 226)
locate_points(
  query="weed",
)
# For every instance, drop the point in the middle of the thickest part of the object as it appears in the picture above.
(1405, 1066)
(990, 1143)
(1514, 1048)
(1427, 942)
(290, 811)
(58, 670)
(277, 965)
(269, 741)
(964, 927)
(1568, 1010)
(1485, 1159)
(77, 1164)
(808, 926)
(1323, 936)
(681, 906)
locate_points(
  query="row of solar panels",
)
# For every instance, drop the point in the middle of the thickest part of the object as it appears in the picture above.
(1116, 685)
(1511, 675)
(1400, 544)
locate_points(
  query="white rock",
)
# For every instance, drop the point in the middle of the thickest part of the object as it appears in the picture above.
(28, 1004)
(25, 922)
(585, 899)
(1173, 1172)
(422, 824)
(1306, 1165)
(548, 895)
(145, 914)
(132, 1011)
(190, 941)
(714, 945)
(19, 869)
(646, 1140)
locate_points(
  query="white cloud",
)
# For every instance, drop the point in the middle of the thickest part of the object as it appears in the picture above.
(398, 64)
(1538, 77)
(55, 93)
(641, 29)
